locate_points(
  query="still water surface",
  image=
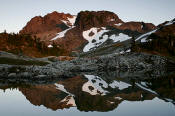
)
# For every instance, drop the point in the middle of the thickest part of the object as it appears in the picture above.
(90, 95)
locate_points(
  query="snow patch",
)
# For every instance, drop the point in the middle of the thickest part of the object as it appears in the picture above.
(141, 26)
(119, 98)
(119, 24)
(95, 37)
(99, 38)
(50, 46)
(69, 100)
(120, 85)
(169, 23)
(142, 87)
(144, 84)
(111, 102)
(61, 34)
(65, 22)
(145, 36)
(141, 96)
(61, 88)
(119, 38)
(112, 20)
(70, 21)
(97, 83)
(169, 100)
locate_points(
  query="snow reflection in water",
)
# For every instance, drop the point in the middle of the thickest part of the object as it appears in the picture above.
(77, 95)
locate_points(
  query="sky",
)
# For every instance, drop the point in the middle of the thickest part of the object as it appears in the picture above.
(14, 14)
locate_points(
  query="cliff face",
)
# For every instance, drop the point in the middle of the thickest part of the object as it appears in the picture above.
(50, 22)
(88, 19)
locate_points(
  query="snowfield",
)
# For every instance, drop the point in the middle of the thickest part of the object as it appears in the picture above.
(99, 37)
(95, 37)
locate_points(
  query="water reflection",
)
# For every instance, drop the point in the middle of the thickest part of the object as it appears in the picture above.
(94, 93)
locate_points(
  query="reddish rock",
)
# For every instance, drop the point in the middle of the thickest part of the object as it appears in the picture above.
(72, 41)
(88, 19)
(137, 26)
(49, 22)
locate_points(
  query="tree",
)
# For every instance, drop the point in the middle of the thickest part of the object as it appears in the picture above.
(5, 32)
(133, 44)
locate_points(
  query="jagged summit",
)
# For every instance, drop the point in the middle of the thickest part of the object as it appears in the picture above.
(50, 22)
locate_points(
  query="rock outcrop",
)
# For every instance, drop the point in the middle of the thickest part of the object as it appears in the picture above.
(88, 19)
(140, 27)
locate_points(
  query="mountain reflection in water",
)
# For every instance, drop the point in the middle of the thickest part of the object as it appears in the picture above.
(93, 93)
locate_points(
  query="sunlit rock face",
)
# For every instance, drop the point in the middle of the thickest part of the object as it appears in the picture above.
(50, 22)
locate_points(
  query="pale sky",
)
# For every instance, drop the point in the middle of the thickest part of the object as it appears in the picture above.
(14, 14)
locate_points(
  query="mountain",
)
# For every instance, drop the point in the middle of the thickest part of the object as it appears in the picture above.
(51, 22)
(99, 32)
(46, 27)
(84, 32)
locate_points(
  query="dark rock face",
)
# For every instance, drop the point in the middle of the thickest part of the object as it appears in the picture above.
(49, 22)
(88, 19)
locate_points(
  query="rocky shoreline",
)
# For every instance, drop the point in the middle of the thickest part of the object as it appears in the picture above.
(134, 65)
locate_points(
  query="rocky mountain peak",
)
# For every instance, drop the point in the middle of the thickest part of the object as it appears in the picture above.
(88, 19)
(49, 22)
